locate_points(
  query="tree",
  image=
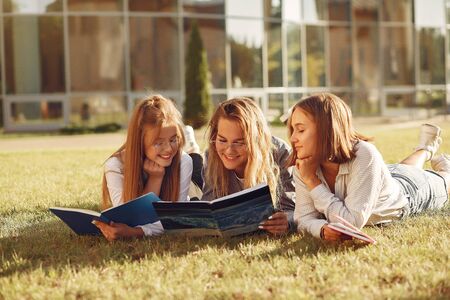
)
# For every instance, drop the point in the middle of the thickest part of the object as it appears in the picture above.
(197, 104)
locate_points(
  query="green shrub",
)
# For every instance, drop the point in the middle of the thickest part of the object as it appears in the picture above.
(197, 104)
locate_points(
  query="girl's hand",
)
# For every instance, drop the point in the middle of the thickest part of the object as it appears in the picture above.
(276, 224)
(114, 231)
(329, 234)
(307, 168)
(153, 169)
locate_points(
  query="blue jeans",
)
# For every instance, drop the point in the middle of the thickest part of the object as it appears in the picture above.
(424, 189)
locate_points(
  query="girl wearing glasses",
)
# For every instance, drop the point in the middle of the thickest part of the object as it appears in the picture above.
(151, 160)
(243, 154)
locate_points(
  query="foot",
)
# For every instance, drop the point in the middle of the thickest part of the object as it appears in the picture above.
(191, 145)
(429, 139)
(441, 163)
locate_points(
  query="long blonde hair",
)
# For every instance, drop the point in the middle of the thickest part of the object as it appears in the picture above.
(334, 123)
(260, 167)
(151, 112)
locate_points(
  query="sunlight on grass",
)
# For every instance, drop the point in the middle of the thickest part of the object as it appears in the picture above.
(41, 258)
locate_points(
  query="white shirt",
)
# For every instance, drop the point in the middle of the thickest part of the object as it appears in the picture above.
(365, 193)
(114, 181)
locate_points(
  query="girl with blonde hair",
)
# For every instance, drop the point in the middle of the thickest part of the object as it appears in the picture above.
(150, 160)
(242, 154)
(340, 175)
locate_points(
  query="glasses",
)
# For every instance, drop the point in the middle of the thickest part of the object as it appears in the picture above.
(173, 143)
(223, 145)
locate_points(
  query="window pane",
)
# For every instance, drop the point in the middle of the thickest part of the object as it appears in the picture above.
(34, 54)
(398, 53)
(247, 8)
(95, 5)
(339, 10)
(204, 6)
(275, 109)
(274, 56)
(365, 10)
(366, 103)
(292, 10)
(448, 56)
(154, 67)
(429, 13)
(246, 38)
(314, 10)
(1, 114)
(315, 59)
(396, 11)
(153, 5)
(399, 104)
(217, 98)
(433, 101)
(365, 63)
(340, 56)
(174, 97)
(346, 96)
(432, 57)
(294, 99)
(1, 68)
(294, 64)
(98, 109)
(32, 6)
(37, 112)
(448, 11)
(212, 32)
(96, 53)
(272, 8)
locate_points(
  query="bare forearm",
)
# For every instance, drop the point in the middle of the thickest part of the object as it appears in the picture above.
(153, 185)
(136, 232)
(312, 182)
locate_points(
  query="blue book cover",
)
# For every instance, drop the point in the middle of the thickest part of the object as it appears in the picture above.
(231, 215)
(139, 211)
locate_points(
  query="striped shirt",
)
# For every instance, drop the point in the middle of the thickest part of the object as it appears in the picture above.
(365, 194)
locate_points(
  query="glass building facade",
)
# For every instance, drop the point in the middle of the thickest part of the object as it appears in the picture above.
(86, 62)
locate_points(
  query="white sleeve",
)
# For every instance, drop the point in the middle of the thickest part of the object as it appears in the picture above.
(363, 190)
(152, 228)
(308, 218)
(114, 180)
(185, 176)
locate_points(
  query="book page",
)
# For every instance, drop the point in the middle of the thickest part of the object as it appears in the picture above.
(79, 210)
(352, 227)
(350, 232)
(246, 191)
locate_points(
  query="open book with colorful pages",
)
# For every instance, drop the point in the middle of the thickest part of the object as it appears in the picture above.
(345, 227)
(235, 214)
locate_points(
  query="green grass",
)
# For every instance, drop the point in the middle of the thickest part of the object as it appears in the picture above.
(41, 258)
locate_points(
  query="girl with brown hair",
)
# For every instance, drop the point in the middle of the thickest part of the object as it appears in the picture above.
(151, 160)
(339, 174)
(242, 154)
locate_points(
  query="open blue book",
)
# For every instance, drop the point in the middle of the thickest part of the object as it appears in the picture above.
(231, 215)
(136, 212)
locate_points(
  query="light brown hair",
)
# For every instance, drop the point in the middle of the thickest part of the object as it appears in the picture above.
(260, 167)
(333, 118)
(151, 113)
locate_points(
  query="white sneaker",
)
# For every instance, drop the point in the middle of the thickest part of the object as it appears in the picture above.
(441, 163)
(429, 139)
(191, 145)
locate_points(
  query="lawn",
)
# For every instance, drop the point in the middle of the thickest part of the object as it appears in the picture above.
(41, 258)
